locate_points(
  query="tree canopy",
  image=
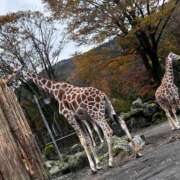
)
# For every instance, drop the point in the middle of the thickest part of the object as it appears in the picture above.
(140, 22)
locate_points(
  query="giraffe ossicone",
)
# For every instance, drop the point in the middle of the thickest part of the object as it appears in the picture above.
(167, 95)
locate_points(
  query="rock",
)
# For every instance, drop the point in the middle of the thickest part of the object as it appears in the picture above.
(120, 144)
(54, 170)
(102, 149)
(130, 114)
(137, 104)
(158, 117)
(75, 149)
(139, 140)
(75, 162)
(49, 164)
(149, 109)
(70, 163)
(138, 122)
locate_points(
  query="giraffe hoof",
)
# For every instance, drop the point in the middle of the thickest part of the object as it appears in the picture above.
(175, 129)
(138, 155)
(93, 171)
(110, 165)
(98, 167)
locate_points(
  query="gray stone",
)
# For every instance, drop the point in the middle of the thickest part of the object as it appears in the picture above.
(149, 109)
(75, 149)
(137, 104)
(54, 170)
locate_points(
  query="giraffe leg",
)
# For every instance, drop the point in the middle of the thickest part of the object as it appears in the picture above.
(86, 148)
(107, 131)
(109, 142)
(176, 119)
(95, 156)
(98, 132)
(168, 115)
(91, 144)
(135, 146)
(83, 139)
(90, 133)
(170, 119)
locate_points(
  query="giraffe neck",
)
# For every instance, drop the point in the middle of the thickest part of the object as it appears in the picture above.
(52, 87)
(169, 76)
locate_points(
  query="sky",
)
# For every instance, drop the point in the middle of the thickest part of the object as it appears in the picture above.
(8, 6)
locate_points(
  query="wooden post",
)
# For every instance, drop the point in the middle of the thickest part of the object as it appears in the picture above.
(20, 158)
(48, 128)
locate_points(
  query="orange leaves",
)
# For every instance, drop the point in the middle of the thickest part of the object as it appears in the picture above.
(119, 76)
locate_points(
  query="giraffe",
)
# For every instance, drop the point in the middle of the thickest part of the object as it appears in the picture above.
(97, 130)
(74, 101)
(167, 95)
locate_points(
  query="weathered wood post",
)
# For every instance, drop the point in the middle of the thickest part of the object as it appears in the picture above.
(20, 158)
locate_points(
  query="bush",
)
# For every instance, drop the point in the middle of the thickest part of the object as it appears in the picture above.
(49, 152)
(121, 105)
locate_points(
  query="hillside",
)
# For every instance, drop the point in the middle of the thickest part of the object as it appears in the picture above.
(65, 68)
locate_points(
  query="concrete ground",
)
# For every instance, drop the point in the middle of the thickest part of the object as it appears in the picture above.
(161, 160)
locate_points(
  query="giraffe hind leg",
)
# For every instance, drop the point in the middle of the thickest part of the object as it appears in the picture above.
(176, 121)
(88, 137)
(81, 133)
(107, 131)
(170, 119)
(90, 133)
(166, 108)
(96, 128)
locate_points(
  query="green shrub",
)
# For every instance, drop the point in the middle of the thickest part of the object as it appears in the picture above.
(49, 151)
(122, 105)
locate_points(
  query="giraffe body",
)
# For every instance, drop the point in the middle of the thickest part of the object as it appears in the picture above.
(167, 95)
(77, 104)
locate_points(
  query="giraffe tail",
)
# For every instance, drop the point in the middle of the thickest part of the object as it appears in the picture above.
(111, 112)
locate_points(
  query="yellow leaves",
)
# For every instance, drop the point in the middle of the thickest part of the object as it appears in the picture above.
(119, 75)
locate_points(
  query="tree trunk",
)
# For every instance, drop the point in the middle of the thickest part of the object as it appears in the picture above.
(20, 157)
(156, 67)
(149, 53)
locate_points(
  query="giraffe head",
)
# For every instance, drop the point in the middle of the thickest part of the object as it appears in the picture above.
(173, 56)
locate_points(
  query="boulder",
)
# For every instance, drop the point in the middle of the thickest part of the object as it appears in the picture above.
(137, 104)
(120, 144)
(158, 117)
(75, 149)
(54, 170)
(77, 161)
(49, 164)
(149, 109)
(74, 162)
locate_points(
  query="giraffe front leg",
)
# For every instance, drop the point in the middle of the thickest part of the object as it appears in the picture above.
(95, 157)
(75, 124)
(86, 149)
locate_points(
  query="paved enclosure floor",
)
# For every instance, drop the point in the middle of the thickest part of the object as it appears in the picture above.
(161, 160)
